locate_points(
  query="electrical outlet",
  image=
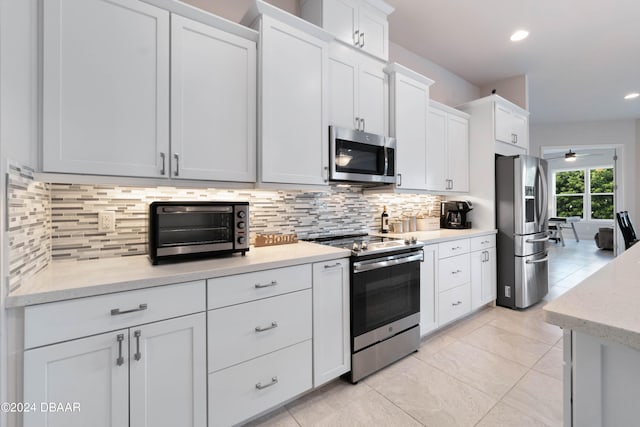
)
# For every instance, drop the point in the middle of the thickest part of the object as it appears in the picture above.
(107, 221)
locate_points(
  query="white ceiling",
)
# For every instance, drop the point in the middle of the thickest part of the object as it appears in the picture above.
(581, 57)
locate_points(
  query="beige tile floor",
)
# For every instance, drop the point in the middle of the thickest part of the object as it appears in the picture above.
(498, 367)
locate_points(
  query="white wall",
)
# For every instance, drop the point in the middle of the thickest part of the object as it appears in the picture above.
(515, 89)
(622, 134)
(449, 88)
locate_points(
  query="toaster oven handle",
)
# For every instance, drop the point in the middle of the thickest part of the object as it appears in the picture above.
(187, 209)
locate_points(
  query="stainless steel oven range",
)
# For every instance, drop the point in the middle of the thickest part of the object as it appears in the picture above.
(385, 301)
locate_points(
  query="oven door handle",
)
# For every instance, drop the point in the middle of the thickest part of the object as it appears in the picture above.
(373, 264)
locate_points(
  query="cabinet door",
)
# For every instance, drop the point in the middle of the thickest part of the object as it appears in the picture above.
(483, 277)
(374, 31)
(489, 276)
(477, 276)
(331, 351)
(410, 122)
(105, 87)
(436, 150)
(343, 79)
(373, 92)
(168, 368)
(428, 290)
(83, 371)
(521, 130)
(503, 124)
(213, 99)
(458, 153)
(294, 138)
(341, 18)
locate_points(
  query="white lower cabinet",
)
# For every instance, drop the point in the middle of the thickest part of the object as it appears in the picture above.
(454, 275)
(483, 271)
(247, 389)
(429, 290)
(331, 322)
(260, 346)
(454, 303)
(149, 375)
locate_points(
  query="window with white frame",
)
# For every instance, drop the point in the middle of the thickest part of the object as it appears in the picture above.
(586, 193)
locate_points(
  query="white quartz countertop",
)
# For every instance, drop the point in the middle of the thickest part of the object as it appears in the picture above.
(606, 304)
(67, 279)
(440, 235)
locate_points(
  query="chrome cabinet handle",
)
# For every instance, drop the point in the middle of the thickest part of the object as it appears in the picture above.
(274, 381)
(361, 40)
(399, 180)
(456, 303)
(137, 355)
(457, 248)
(485, 242)
(177, 157)
(266, 285)
(267, 328)
(456, 272)
(326, 174)
(120, 359)
(163, 171)
(356, 37)
(337, 264)
(357, 123)
(363, 124)
(117, 311)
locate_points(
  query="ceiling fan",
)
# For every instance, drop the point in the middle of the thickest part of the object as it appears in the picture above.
(569, 156)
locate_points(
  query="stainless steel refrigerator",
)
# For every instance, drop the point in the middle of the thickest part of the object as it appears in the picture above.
(522, 219)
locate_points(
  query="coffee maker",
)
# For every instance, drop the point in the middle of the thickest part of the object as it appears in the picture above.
(453, 214)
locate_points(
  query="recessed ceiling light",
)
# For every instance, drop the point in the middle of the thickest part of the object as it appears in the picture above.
(519, 35)
(632, 95)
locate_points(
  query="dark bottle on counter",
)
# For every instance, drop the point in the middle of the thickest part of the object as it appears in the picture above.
(384, 221)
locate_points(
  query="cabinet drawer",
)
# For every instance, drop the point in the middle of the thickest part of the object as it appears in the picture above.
(235, 394)
(233, 331)
(454, 303)
(483, 242)
(454, 272)
(452, 248)
(92, 315)
(229, 290)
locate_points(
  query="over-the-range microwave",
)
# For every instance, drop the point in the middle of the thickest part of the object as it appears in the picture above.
(357, 156)
(185, 230)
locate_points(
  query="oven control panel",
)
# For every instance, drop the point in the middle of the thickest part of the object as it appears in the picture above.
(241, 219)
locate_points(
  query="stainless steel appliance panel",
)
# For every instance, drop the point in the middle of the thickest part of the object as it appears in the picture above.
(357, 156)
(369, 360)
(532, 274)
(521, 219)
(530, 198)
(384, 332)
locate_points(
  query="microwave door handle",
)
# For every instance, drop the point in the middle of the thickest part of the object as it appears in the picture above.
(386, 160)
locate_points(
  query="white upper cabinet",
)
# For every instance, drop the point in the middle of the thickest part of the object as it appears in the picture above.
(511, 125)
(106, 87)
(361, 24)
(447, 149)
(293, 101)
(213, 103)
(409, 105)
(109, 68)
(358, 94)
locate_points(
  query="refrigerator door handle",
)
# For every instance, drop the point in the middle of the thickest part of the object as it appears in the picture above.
(537, 261)
(544, 208)
(544, 239)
